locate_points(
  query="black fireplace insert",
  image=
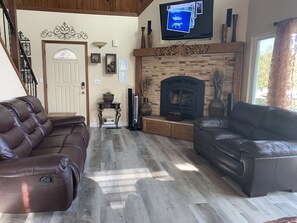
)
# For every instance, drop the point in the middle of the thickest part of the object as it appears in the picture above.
(183, 95)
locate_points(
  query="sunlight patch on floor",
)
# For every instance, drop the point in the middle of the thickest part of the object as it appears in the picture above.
(186, 167)
(119, 184)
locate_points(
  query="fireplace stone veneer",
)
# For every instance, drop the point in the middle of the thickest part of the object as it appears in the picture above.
(183, 62)
(184, 95)
(226, 56)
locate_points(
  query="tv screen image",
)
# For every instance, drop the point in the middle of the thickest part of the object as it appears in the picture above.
(186, 19)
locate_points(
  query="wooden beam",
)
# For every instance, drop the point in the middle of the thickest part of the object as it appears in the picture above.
(144, 6)
(79, 11)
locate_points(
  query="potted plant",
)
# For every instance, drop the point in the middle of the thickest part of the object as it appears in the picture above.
(216, 106)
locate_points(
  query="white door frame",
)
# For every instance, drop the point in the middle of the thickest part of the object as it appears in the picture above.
(44, 42)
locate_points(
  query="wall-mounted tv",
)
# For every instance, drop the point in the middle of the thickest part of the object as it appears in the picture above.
(187, 19)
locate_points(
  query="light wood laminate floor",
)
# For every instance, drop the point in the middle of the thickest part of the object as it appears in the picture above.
(141, 178)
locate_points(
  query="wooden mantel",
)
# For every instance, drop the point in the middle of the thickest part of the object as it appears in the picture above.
(236, 47)
(182, 50)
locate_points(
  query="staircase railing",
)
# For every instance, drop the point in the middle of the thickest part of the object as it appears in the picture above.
(27, 74)
(9, 35)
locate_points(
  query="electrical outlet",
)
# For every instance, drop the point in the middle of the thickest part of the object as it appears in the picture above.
(97, 81)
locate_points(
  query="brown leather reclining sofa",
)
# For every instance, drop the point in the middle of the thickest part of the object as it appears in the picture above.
(41, 160)
(256, 146)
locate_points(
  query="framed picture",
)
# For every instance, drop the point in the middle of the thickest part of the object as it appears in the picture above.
(95, 58)
(110, 63)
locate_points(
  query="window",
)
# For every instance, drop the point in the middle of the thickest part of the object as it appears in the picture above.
(262, 69)
(65, 54)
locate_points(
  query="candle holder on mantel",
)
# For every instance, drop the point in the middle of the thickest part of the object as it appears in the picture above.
(142, 37)
(235, 17)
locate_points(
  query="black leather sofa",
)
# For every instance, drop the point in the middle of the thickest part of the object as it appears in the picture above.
(41, 159)
(256, 146)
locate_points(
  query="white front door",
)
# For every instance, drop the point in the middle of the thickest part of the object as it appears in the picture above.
(66, 78)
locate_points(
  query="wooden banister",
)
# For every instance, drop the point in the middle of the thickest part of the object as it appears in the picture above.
(15, 47)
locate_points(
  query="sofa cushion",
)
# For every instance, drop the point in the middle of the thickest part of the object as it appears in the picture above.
(79, 131)
(24, 120)
(39, 114)
(59, 126)
(281, 124)
(13, 143)
(58, 142)
(231, 147)
(211, 122)
(261, 134)
(246, 117)
(212, 135)
(269, 148)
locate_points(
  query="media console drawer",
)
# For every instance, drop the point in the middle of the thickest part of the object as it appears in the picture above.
(160, 126)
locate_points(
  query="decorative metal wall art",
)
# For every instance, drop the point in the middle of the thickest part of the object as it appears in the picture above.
(182, 50)
(64, 32)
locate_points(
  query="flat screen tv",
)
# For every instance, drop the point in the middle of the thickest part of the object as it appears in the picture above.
(187, 20)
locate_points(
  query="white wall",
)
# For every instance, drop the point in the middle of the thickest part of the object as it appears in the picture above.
(262, 15)
(220, 7)
(98, 28)
(10, 85)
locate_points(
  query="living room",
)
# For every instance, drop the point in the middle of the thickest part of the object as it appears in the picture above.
(135, 162)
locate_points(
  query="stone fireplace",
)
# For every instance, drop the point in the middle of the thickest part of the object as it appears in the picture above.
(182, 95)
(194, 66)
(191, 61)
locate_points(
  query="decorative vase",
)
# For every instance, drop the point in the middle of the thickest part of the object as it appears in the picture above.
(224, 33)
(235, 17)
(150, 40)
(142, 37)
(108, 97)
(216, 107)
(149, 34)
(146, 108)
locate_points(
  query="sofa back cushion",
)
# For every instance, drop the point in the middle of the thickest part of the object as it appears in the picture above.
(13, 142)
(278, 124)
(24, 119)
(38, 113)
(245, 117)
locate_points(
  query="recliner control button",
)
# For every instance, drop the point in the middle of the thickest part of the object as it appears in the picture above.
(47, 179)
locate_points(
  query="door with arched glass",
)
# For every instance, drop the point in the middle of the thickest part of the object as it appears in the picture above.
(66, 79)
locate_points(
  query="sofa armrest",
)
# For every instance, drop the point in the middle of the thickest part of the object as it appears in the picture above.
(269, 148)
(35, 165)
(72, 120)
(211, 122)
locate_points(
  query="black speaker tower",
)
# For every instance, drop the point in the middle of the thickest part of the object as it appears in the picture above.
(132, 110)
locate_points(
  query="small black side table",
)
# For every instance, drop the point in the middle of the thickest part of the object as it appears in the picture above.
(113, 105)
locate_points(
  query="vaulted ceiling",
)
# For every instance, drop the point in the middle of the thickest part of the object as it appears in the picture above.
(105, 7)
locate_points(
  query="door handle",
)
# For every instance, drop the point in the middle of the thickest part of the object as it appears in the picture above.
(83, 85)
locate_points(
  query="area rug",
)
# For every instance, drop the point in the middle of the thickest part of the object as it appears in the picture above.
(284, 220)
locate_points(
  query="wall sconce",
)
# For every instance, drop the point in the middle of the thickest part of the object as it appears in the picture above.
(99, 44)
